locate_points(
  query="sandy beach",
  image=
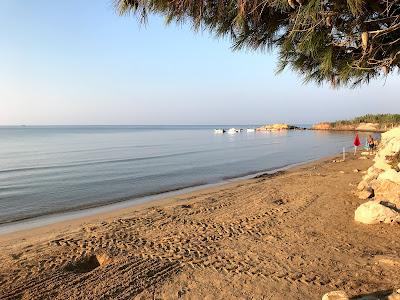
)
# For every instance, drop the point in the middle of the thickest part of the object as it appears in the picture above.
(290, 235)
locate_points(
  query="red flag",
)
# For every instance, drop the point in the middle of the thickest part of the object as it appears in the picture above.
(357, 141)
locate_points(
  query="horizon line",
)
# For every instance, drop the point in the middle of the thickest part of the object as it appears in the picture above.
(210, 124)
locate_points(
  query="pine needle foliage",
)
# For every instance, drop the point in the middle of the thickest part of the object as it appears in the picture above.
(342, 42)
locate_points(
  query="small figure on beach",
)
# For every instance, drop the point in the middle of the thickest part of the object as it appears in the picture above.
(371, 142)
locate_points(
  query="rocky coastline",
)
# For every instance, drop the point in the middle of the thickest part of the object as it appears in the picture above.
(364, 127)
(367, 127)
(381, 187)
(382, 183)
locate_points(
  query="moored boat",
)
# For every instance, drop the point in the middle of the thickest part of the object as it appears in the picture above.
(219, 131)
(232, 130)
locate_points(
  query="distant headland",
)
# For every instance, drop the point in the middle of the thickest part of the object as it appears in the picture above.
(369, 122)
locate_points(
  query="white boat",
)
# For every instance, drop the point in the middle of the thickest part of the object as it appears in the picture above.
(219, 131)
(250, 130)
(232, 130)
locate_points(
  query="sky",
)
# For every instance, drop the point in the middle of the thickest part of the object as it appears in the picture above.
(79, 63)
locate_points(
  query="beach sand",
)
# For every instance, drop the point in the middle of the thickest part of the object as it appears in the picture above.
(286, 236)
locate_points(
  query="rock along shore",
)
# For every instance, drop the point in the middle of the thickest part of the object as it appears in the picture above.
(367, 127)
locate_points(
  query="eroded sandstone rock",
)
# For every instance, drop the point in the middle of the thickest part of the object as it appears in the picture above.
(335, 295)
(391, 175)
(365, 194)
(387, 190)
(375, 212)
(362, 185)
(395, 295)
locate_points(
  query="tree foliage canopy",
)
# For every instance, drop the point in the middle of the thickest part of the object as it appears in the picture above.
(381, 119)
(343, 42)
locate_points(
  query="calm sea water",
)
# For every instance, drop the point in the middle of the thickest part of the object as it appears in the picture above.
(45, 170)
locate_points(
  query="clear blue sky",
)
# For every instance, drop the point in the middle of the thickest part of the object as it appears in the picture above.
(78, 62)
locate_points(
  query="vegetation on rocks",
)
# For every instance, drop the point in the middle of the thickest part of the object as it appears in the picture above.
(369, 122)
(343, 42)
(381, 119)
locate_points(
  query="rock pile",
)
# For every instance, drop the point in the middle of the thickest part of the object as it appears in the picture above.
(274, 127)
(278, 127)
(382, 182)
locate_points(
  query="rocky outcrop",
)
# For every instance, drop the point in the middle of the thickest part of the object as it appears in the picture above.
(387, 190)
(322, 126)
(390, 175)
(368, 127)
(276, 127)
(273, 127)
(383, 182)
(371, 127)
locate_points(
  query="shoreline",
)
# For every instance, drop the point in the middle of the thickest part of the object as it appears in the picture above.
(114, 206)
(352, 130)
(288, 235)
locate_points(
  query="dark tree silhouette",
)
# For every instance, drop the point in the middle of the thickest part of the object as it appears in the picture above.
(343, 42)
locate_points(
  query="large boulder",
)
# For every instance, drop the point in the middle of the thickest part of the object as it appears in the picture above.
(391, 175)
(389, 147)
(382, 164)
(335, 295)
(375, 212)
(395, 295)
(372, 174)
(387, 190)
(368, 179)
(393, 133)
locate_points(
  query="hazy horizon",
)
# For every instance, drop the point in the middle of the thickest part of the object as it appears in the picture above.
(79, 63)
(154, 125)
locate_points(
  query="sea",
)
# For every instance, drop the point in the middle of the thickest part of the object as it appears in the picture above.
(54, 170)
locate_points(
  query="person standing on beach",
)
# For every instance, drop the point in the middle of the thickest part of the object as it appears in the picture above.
(371, 142)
